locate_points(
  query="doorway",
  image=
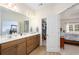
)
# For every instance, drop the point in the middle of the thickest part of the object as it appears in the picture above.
(44, 29)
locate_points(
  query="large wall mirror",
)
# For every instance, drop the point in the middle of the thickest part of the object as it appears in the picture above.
(12, 22)
(9, 27)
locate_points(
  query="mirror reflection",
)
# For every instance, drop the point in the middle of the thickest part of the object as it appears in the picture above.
(9, 27)
(12, 23)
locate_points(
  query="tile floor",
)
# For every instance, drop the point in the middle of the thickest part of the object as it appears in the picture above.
(68, 50)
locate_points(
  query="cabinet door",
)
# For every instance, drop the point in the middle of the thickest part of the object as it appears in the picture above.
(30, 41)
(38, 40)
(21, 49)
(35, 41)
(29, 45)
(9, 51)
(29, 49)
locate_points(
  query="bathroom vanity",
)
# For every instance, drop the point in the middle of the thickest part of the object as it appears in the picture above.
(21, 45)
(15, 35)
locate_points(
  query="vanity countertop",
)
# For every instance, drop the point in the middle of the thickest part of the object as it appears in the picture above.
(4, 39)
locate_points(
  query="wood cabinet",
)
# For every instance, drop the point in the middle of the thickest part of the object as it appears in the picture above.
(9, 51)
(32, 43)
(35, 42)
(9, 48)
(0, 49)
(38, 40)
(29, 44)
(21, 46)
(16, 47)
(62, 42)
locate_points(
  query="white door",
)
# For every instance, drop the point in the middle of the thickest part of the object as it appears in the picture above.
(53, 33)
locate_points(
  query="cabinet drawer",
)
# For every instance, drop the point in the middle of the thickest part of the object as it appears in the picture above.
(11, 43)
(21, 40)
(9, 51)
(8, 44)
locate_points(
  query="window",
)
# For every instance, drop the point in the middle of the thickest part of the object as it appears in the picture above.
(72, 27)
(77, 27)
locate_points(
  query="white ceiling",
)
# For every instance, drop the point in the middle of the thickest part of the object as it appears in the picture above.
(36, 6)
(73, 12)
